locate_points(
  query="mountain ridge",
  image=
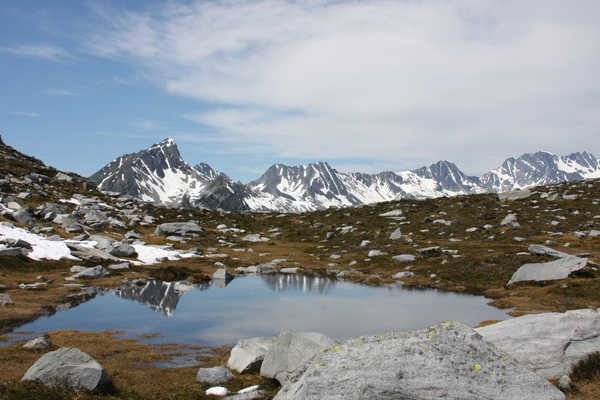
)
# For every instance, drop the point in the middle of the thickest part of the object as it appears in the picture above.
(160, 175)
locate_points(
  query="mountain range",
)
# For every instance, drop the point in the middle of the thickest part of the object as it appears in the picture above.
(159, 174)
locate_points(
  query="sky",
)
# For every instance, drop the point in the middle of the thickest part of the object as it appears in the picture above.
(364, 85)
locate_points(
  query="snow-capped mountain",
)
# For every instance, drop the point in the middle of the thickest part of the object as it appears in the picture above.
(541, 168)
(159, 174)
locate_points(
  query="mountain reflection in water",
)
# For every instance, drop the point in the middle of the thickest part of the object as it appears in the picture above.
(158, 295)
(300, 283)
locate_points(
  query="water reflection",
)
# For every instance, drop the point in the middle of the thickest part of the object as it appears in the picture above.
(158, 295)
(300, 283)
(263, 306)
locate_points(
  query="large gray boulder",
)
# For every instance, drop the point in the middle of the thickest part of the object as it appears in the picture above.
(548, 271)
(214, 375)
(178, 229)
(548, 343)
(290, 350)
(248, 354)
(448, 361)
(91, 254)
(69, 366)
(90, 273)
(123, 250)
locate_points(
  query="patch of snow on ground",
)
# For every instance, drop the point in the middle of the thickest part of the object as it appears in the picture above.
(149, 254)
(42, 247)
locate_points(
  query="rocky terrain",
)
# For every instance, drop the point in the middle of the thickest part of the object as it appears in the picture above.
(159, 174)
(532, 251)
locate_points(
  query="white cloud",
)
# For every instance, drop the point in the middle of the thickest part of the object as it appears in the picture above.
(48, 52)
(26, 114)
(60, 92)
(469, 81)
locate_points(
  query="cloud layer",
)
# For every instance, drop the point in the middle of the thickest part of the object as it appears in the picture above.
(400, 82)
(48, 52)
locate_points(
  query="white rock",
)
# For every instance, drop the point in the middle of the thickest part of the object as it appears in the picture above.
(559, 269)
(548, 343)
(217, 391)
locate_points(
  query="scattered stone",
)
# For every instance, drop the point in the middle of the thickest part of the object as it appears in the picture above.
(248, 354)
(63, 177)
(123, 250)
(433, 251)
(91, 254)
(289, 270)
(543, 250)
(217, 391)
(119, 267)
(133, 235)
(447, 361)
(553, 270)
(547, 343)
(472, 229)
(255, 237)
(397, 234)
(290, 350)
(393, 213)
(222, 274)
(5, 300)
(214, 375)
(515, 195)
(510, 220)
(365, 243)
(178, 228)
(90, 273)
(404, 258)
(39, 343)
(69, 366)
(376, 253)
(403, 274)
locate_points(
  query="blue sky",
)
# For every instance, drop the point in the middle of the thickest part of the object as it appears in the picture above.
(365, 85)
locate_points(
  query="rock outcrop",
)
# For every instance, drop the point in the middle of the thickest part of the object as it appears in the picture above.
(547, 343)
(447, 361)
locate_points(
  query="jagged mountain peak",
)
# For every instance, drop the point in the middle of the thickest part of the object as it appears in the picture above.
(157, 174)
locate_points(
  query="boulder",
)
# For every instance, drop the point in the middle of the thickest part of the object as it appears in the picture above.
(214, 375)
(448, 361)
(515, 195)
(393, 213)
(290, 350)
(178, 228)
(123, 250)
(222, 274)
(5, 299)
(510, 220)
(404, 258)
(543, 251)
(91, 254)
(39, 343)
(548, 271)
(376, 253)
(403, 274)
(433, 251)
(23, 216)
(248, 354)
(397, 234)
(133, 235)
(90, 273)
(547, 343)
(255, 237)
(69, 366)
(119, 267)
(217, 391)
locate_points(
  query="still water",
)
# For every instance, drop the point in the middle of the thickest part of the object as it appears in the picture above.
(262, 306)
